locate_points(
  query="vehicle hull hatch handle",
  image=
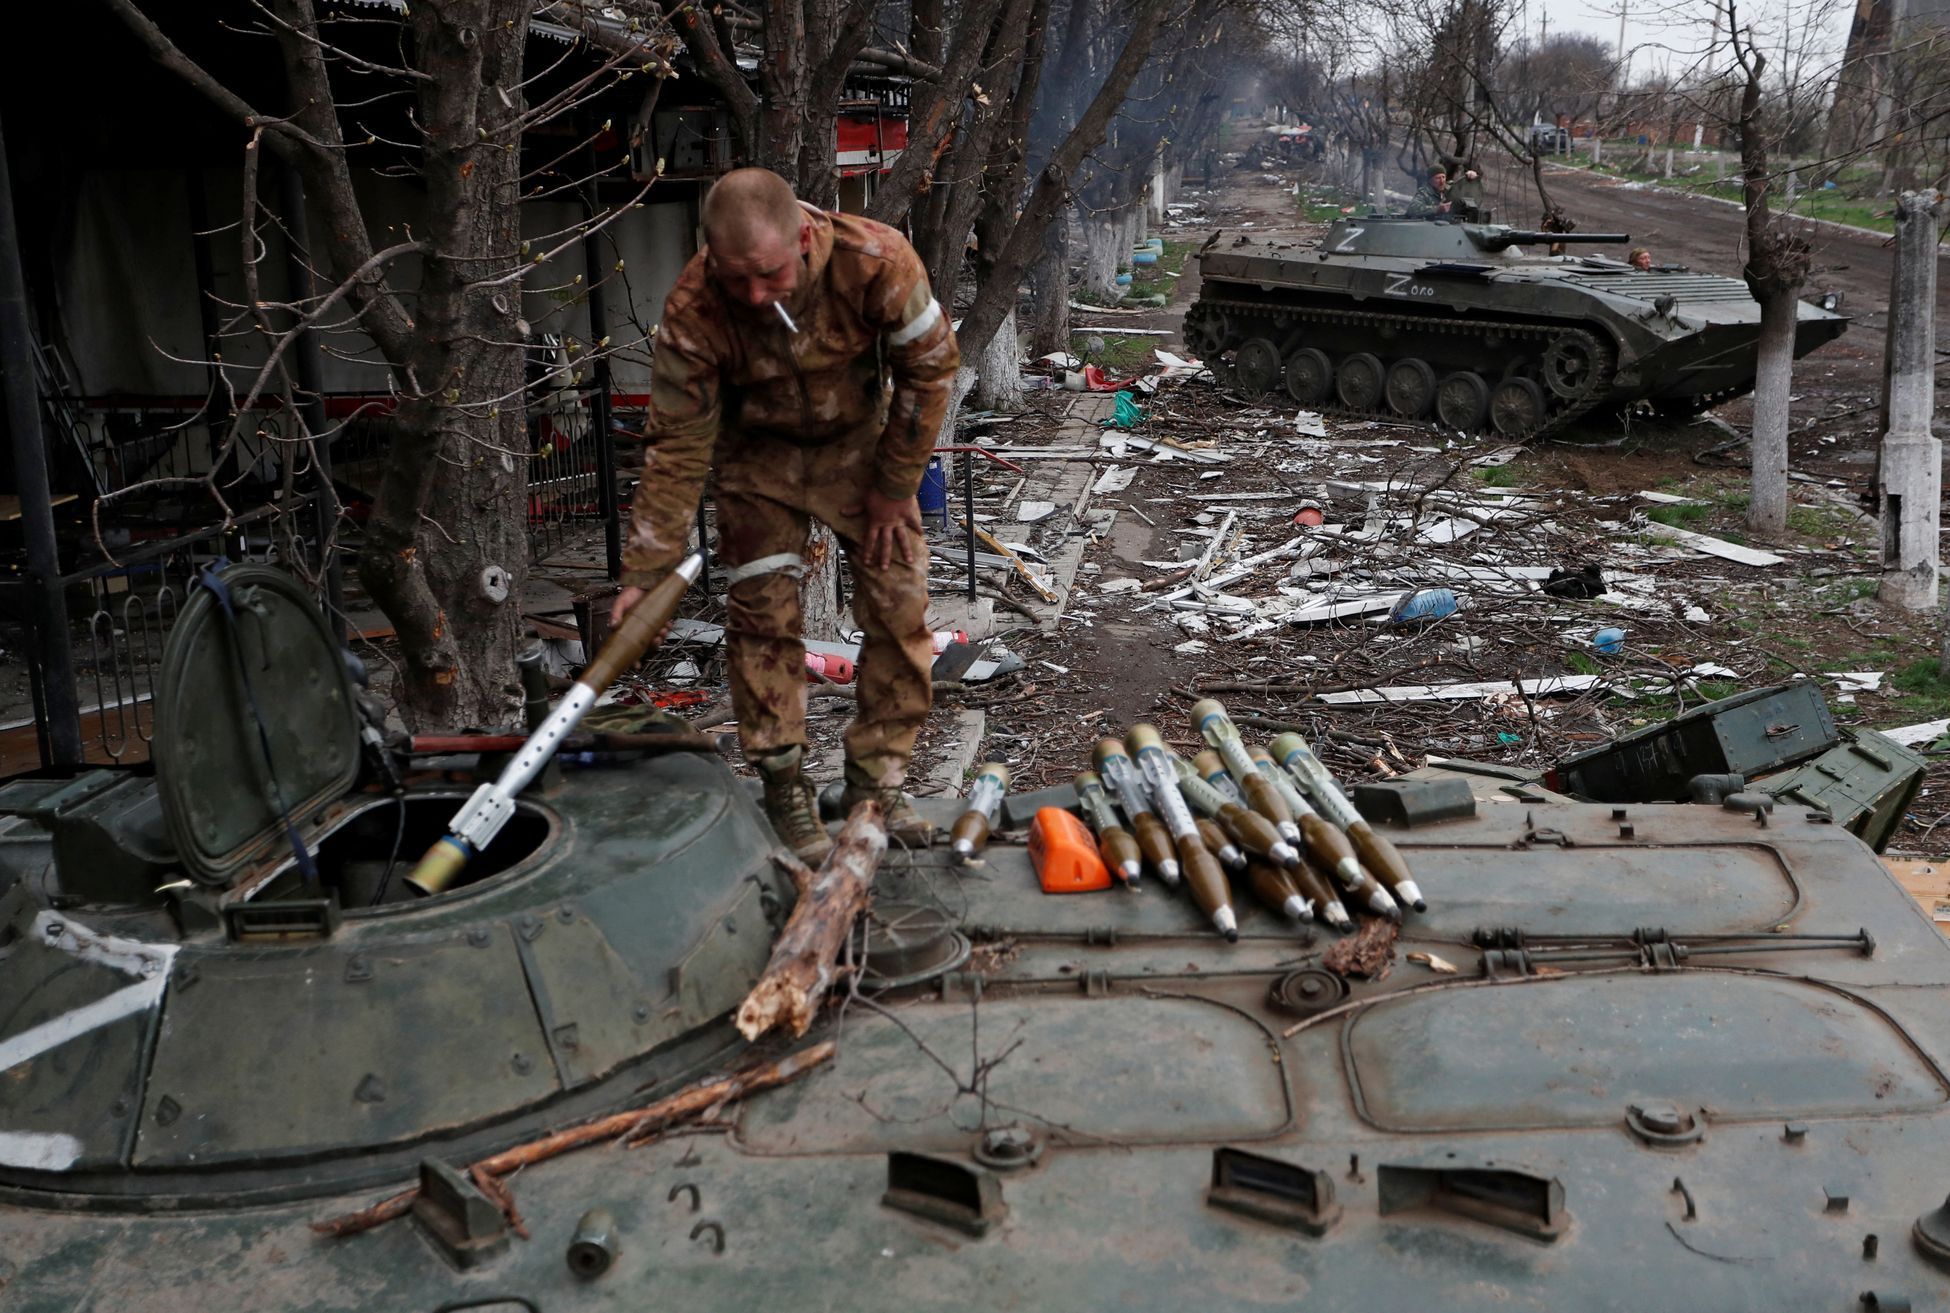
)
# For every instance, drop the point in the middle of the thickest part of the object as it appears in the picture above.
(945, 1191)
(1273, 1190)
(1513, 1200)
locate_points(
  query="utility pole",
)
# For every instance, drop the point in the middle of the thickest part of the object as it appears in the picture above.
(1912, 458)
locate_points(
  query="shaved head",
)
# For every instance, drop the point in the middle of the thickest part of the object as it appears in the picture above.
(748, 210)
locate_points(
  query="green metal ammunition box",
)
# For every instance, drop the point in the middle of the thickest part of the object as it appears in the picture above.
(1865, 783)
(1750, 734)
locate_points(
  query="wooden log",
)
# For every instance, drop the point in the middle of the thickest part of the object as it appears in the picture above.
(803, 963)
(686, 1103)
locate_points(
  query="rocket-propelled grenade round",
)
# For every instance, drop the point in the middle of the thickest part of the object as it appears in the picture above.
(1251, 831)
(1203, 874)
(971, 832)
(1376, 852)
(1124, 782)
(1114, 843)
(1317, 887)
(1214, 725)
(1220, 844)
(1274, 886)
(1324, 842)
(491, 807)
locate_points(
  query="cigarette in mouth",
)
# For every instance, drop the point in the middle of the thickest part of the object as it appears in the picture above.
(790, 326)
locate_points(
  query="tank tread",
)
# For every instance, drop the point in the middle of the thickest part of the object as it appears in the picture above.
(1541, 332)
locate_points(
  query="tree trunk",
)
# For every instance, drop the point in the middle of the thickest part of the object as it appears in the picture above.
(1773, 380)
(1049, 285)
(998, 379)
(446, 552)
(1102, 236)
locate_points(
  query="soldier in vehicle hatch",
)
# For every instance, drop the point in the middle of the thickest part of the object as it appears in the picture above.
(771, 366)
(1433, 197)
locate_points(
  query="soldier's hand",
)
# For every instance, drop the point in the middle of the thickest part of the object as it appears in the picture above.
(621, 606)
(889, 522)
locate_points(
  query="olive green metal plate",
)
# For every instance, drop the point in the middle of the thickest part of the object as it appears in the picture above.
(219, 796)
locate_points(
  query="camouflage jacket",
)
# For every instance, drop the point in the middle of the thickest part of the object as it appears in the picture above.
(864, 310)
(1428, 200)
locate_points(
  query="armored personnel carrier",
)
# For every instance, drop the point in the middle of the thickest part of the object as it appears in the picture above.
(1474, 324)
(1633, 1056)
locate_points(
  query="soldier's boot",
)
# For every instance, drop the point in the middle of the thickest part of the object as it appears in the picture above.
(904, 824)
(793, 807)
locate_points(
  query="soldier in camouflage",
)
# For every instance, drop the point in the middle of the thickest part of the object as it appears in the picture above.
(1433, 197)
(803, 359)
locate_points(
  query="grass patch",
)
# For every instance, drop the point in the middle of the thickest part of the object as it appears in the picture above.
(1851, 201)
(1121, 355)
(1679, 517)
(1149, 278)
(1584, 663)
(1824, 522)
(1496, 476)
(1925, 692)
(1853, 590)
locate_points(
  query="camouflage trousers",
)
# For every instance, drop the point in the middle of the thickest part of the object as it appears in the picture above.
(768, 492)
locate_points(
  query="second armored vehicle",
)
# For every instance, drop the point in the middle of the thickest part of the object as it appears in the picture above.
(1474, 324)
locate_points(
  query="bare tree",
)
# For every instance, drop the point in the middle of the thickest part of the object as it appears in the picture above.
(438, 298)
(1776, 267)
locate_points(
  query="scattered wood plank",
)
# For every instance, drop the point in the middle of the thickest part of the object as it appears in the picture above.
(1342, 610)
(1021, 567)
(1928, 883)
(1909, 736)
(1549, 686)
(1222, 538)
(1720, 547)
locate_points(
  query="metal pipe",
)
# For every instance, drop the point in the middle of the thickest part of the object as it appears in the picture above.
(612, 513)
(23, 410)
(968, 514)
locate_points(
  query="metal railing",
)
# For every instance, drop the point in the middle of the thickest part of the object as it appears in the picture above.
(133, 602)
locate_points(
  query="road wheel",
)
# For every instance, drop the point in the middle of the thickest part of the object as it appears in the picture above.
(1517, 408)
(1571, 365)
(1359, 381)
(1206, 331)
(1461, 401)
(1258, 364)
(1411, 388)
(1309, 374)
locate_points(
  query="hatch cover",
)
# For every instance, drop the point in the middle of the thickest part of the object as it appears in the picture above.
(1576, 1050)
(1129, 1070)
(217, 794)
(1708, 889)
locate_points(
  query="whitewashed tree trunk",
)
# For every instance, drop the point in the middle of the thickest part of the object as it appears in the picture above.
(1101, 236)
(998, 379)
(1773, 382)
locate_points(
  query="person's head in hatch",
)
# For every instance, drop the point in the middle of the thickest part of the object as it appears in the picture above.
(757, 236)
(1640, 259)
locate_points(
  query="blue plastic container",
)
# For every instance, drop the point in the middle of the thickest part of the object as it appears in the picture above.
(1144, 257)
(1610, 641)
(934, 492)
(1422, 606)
(1123, 280)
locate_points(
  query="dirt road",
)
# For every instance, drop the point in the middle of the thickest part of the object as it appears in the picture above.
(1710, 235)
